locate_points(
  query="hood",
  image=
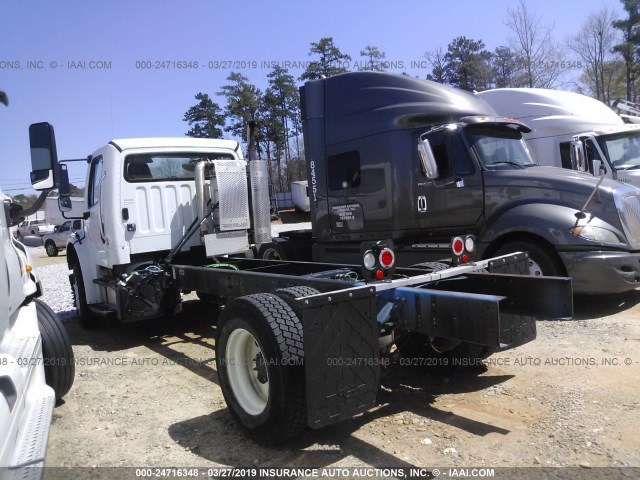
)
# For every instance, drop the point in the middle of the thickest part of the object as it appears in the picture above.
(555, 179)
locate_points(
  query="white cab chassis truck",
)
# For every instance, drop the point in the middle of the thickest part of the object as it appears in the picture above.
(36, 360)
(557, 118)
(298, 343)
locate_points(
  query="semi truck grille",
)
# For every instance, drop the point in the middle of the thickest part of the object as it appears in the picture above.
(630, 216)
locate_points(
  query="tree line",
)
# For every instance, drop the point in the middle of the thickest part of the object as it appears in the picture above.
(605, 52)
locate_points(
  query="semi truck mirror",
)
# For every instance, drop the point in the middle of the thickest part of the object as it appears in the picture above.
(44, 159)
(64, 204)
(599, 168)
(578, 157)
(427, 160)
(63, 181)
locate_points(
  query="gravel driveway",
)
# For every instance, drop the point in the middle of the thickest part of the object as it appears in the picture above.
(148, 395)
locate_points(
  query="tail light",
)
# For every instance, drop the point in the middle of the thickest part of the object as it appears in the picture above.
(378, 260)
(462, 248)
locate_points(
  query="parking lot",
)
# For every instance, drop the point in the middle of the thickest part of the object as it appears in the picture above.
(148, 395)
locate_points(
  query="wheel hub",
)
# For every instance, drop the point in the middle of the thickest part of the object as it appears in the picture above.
(260, 368)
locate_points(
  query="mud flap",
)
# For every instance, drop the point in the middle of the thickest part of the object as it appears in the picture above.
(342, 360)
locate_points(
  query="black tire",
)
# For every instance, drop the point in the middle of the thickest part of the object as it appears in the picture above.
(59, 363)
(289, 295)
(33, 232)
(274, 251)
(264, 322)
(417, 347)
(51, 248)
(86, 318)
(542, 260)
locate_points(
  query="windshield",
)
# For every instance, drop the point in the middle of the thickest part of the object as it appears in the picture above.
(499, 147)
(622, 149)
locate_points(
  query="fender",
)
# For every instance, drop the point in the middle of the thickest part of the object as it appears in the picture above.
(551, 222)
(79, 251)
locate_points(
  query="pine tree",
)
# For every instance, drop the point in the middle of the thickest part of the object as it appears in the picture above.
(204, 118)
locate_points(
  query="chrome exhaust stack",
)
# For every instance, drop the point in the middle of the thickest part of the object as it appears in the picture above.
(261, 204)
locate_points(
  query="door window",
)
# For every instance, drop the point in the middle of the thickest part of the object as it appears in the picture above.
(95, 177)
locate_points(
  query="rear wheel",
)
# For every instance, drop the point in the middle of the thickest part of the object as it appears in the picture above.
(274, 251)
(259, 354)
(289, 295)
(59, 365)
(542, 261)
(86, 318)
(50, 248)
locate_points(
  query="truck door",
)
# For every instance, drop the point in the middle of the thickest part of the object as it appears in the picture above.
(95, 223)
(456, 198)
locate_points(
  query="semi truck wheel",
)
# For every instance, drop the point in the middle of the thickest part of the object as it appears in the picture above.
(259, 355)
(59, 363)
(86, 318)
(51, 249)
(542, 262)
(289, 295)
(274, 251)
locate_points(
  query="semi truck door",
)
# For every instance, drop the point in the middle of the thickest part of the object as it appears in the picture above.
(455, 199)
(95, 222)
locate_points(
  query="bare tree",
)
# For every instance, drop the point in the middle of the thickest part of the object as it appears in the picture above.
(594, 45)
(533, 44)
(437, 62)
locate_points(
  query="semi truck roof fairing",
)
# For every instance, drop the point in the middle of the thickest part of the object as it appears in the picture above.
(555, 106)
(359, 104)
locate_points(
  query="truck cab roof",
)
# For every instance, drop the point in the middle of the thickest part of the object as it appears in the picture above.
(174, 142)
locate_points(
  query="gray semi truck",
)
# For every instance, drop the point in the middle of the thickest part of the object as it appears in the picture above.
(392, 156)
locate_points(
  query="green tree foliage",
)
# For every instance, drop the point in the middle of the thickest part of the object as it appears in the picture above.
(629, 47)
(374, 59)
(205, 118)
(280, 122)
(467, 64)
(331, 60)
(505, 66)
(243, 103)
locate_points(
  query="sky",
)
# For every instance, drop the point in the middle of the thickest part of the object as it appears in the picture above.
(104, 70)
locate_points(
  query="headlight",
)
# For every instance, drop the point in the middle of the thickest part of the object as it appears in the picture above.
(596, 234)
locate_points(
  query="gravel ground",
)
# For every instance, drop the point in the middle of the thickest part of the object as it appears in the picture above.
(148, 395)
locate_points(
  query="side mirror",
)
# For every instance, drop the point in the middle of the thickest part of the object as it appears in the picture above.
(427, 160)
(63, 181)
(578, 157)
(44, 158)
(599, 168)
(64, 204)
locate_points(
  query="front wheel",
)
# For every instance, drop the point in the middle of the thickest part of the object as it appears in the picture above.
(51, 249)
(57, 354)
(86, 318)
(259, 355)
(542, 260)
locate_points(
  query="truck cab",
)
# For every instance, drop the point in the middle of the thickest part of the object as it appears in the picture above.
(558, 118)
(419, 162)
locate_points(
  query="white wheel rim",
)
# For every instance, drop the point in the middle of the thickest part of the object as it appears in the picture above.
(249, 381)
(49, 248)
(534, 268)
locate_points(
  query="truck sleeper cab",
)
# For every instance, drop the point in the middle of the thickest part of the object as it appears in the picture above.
(365, 137)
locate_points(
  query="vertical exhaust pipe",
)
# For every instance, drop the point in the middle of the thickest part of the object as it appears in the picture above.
(259, 176)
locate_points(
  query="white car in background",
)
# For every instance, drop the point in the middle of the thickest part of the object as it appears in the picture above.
(34, 227)
(57, 240)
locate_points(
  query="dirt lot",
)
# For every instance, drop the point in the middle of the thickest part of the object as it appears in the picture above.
(148, 395)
